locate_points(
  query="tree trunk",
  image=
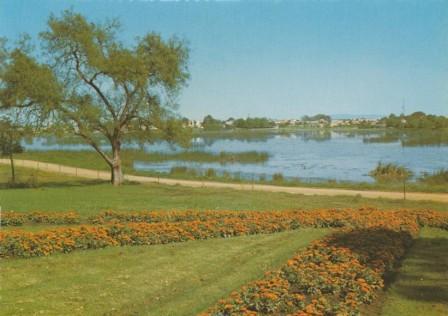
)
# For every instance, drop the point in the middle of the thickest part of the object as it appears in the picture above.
(116, 172)
(13, 171)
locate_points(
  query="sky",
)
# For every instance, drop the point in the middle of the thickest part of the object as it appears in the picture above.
(284, 59)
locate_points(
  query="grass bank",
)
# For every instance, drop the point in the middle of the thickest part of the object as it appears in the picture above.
(421, 287)
(177, 279)
(58, 193)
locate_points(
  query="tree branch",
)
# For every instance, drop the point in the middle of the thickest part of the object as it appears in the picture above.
(93, 85)
(96, 147)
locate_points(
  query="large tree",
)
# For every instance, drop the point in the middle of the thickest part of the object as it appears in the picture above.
(105, 89)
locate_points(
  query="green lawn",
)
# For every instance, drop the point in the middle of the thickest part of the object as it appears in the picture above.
(421, 287)
(90, 199)
(174, 279)
(30, 177)
(62, 193)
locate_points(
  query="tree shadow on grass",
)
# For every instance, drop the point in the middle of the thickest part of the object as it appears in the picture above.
(51, 184)
(426, 275)
(60, 184)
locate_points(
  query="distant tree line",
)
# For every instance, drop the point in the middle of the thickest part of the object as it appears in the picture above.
(412, 121)
(210, 123)
(416, 120)
(317, 117)
(254, 122)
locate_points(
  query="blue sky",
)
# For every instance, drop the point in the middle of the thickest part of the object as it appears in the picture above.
(284, 59)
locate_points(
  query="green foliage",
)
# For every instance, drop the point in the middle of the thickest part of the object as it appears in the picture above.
(317, 117)
(210, 173)
(390, 172)
(27, 84)
(10, 136)
(209, 123)
(277, 177)
(437, 177)
(93, 84)
(254, 122)
(416, 120)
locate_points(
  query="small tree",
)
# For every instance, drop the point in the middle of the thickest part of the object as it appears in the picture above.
(10, 136)
(98, 87)
(27, 91)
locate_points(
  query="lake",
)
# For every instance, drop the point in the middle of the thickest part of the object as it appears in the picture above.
(311, 155)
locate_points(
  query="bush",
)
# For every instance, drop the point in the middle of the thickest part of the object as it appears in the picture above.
(178, 170)
(390, 172)
(277, 177)
(210, 173)
(437, 177)
(226, 175)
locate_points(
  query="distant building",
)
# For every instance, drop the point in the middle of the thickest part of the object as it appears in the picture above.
(355, 122)
(287, 122)
(229, 122)
(194, 124)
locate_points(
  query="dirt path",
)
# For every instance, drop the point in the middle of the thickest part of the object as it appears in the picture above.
(104, 175)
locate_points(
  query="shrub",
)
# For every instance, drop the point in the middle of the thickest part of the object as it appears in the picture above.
(210, 173)
(390, 172)
(437, 177)
(277, 177)
(178, 170)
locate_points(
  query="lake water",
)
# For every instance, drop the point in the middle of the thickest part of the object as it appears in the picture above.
(308, 155)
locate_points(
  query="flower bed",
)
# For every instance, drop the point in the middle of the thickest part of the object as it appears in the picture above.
(202, 225)
(11, 218)
(366, 217)
(333, 276)
(20, 243)
(164, 216)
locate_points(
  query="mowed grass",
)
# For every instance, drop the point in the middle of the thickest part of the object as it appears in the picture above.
(421, 287)
(26, 177)
(172, 279)
(60, 193)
